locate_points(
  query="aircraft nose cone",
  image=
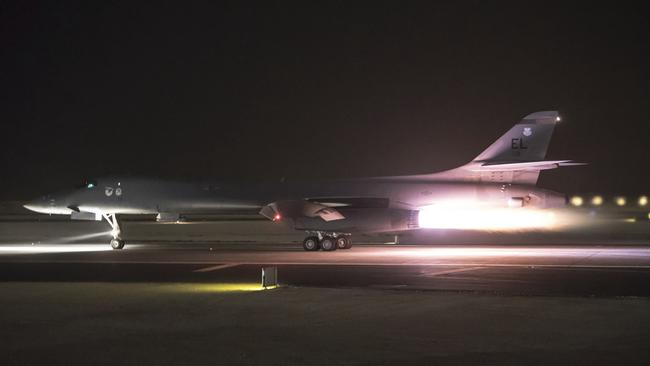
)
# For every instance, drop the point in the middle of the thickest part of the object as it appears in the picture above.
(39, 205)
(33, 206)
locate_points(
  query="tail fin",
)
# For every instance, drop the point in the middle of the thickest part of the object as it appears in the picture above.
(516, 157)
(528, 140)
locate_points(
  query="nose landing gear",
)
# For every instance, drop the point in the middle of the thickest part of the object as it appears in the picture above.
(116, 242)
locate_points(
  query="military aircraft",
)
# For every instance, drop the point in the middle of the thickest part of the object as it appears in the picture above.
(502, 176)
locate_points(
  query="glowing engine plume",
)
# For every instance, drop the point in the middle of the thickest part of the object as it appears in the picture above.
(475, 217)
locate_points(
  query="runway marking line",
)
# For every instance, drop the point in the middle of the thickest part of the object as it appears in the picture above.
(377, 264)
(457, 270)
(216, 268)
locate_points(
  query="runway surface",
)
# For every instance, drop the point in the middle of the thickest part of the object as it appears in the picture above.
(191, 294)
(512, 270)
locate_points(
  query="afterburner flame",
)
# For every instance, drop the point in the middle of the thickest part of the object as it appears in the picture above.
(476, 217)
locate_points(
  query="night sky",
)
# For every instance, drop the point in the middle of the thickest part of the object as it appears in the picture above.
(250, 91)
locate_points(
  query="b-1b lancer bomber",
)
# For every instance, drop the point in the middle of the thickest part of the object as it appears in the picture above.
(503, 177)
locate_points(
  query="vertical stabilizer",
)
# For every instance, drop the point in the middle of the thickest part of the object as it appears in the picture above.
(516, 157)
(528, 140)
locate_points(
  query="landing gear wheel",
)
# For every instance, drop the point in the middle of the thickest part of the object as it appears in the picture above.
(328, 244)
(348, 242)
(310, 243)
(117, 244)
(343, 242)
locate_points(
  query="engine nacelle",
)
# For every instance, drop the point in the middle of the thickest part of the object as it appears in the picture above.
(363, 220)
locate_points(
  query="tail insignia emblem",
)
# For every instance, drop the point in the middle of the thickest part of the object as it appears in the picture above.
(528, 131)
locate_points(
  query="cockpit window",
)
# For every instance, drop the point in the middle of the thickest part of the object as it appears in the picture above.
(88, 184)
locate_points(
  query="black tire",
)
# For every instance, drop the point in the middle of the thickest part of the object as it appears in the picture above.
(328, 244)
(349, 242)
(342, 242)
(310, 243)
(117, 244)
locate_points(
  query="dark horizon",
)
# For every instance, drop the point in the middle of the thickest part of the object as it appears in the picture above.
(243, 91)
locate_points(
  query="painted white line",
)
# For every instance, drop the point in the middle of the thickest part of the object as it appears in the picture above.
(441, 273)
(383, 264)
(217, 267)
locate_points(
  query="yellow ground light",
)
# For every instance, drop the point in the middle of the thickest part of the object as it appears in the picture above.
(219, 287)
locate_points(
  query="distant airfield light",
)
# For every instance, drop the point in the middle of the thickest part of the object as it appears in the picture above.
(597, 200)
(643, 201)
(558, 119)
(576, 201)
(620, 201)
(277, 217)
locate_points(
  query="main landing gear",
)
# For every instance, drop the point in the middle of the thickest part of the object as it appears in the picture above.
(117, 242)
(326, 241)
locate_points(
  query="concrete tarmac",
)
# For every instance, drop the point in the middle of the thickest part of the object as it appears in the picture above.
(521, 270)
(171, 298)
